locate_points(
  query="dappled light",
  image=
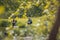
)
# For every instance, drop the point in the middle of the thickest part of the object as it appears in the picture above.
(27, 19)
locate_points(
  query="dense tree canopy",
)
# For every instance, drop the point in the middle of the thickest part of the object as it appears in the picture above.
(28, 8)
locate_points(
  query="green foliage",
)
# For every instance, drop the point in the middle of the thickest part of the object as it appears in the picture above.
(16, 32)
(4, 23)
(34, 8)
(21, 25)
(34, 11)
(40, 11)
(21, 13)
(5, 15)
(10, 7)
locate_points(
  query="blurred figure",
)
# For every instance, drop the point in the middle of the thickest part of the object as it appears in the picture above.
(5, 34)
(14, 22)
(29, 21)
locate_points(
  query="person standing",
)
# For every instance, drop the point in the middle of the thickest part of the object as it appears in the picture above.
(14, 23)
(29, 21)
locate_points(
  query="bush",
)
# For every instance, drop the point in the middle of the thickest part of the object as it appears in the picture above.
(21, 25)
(4, 23)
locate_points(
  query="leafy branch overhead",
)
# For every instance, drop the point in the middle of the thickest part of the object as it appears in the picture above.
(26, 8)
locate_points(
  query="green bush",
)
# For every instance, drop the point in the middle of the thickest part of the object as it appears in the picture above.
(4, 23)
(21, 25)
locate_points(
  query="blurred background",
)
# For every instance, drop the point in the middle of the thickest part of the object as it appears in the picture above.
(41, 14)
